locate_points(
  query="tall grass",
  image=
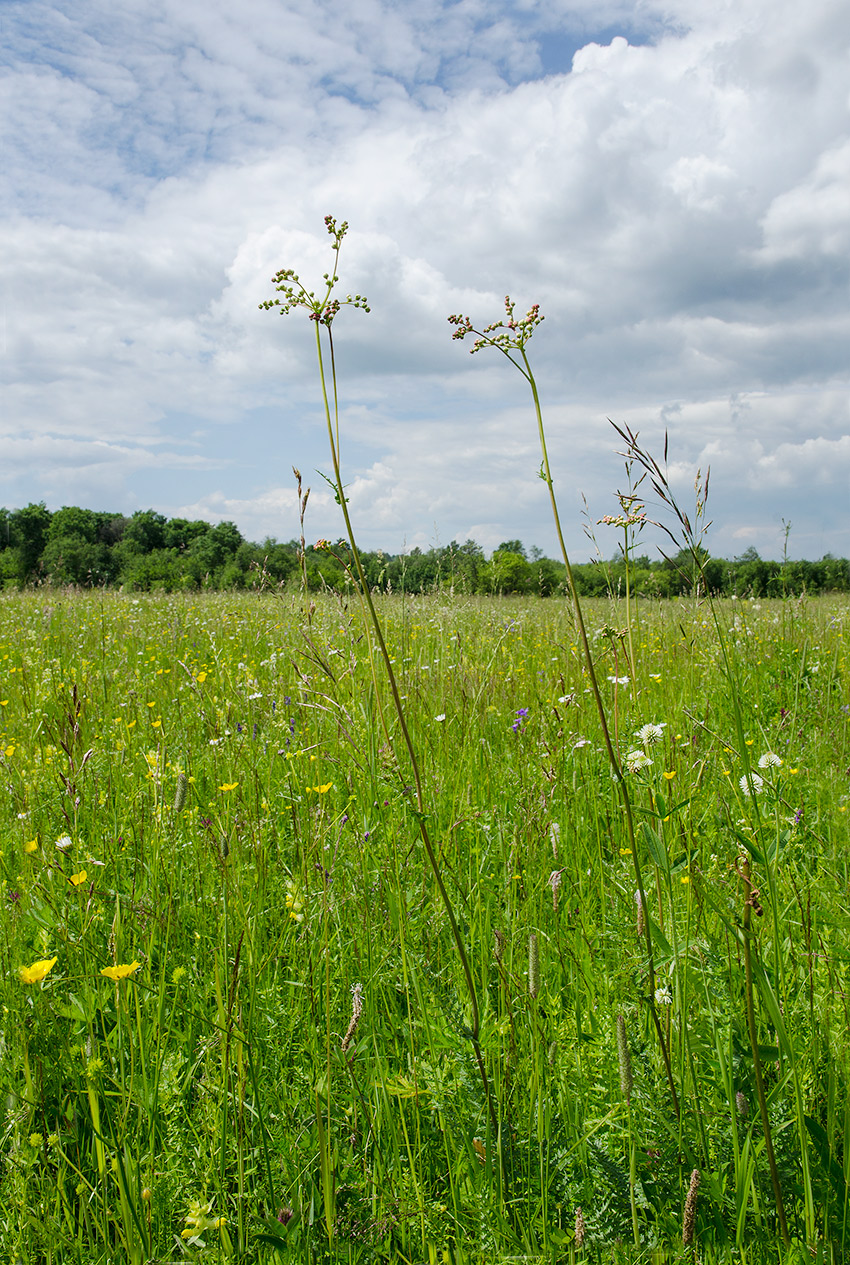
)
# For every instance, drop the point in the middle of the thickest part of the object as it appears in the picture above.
(206, 1097)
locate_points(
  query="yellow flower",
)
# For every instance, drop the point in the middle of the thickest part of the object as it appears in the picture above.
(198, 1219)
(294, 903)
(31, 846)
(77, 879)
(685, 878)
(625, 852)
(120, 972)
(201, 677)
(320, 790)
(669, 776)
(229, 786)
(10, 751)
(35, 974)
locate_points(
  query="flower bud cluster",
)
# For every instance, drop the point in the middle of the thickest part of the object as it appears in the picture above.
(516, 331)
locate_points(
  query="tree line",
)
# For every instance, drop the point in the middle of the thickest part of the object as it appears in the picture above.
(147, 551)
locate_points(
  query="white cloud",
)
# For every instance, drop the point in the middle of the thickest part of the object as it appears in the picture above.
(679, 208)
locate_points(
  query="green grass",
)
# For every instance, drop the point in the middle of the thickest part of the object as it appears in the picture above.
(208, 1091)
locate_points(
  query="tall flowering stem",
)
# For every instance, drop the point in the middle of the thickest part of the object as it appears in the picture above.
(510, 336)
(322, 309)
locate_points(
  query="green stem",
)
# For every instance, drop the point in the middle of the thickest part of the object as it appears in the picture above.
(333, 438)
(603, 720)
(751, 1028)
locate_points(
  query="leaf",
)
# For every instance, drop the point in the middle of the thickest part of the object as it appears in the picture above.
(828, 1161)
(656, 848)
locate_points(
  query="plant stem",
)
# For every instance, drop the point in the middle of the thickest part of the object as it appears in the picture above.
(751, 1028)
(333, 439)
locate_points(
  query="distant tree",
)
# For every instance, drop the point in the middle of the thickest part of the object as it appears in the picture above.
(29, 528)
(145, 531)
(512, 546)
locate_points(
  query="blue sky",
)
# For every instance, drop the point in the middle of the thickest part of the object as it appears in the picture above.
(670, 181)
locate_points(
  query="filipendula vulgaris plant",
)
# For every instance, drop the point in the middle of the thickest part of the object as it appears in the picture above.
(322, 309)
(511, 336)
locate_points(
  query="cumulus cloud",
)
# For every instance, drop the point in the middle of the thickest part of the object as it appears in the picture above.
(671, 181)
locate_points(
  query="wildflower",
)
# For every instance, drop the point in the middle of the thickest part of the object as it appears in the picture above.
(640, 922)
(294, 903)
(521, 714)
(744, 783)
(741, 1105)
(35, 974)
(63, 842)
(356, 1012)
(770, 760)
(120, 971)
(441, 717)
(663, 996)
(177, 974)
(690, 1217)
(637, 760)
(31, 845)
(77, 879)
(533, 966)
(229, 786)
(180, 792)
(650, 734)
(669, 775)
(555, 883)
(36, 1139)
(619, 680)
(581, 1229)
(198, 1219)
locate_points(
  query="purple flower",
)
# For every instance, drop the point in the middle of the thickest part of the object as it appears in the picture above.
(521, 714)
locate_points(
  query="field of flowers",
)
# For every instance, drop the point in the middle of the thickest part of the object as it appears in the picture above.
(235, 1022)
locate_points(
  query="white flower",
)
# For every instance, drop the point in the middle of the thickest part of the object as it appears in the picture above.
(63, 842)
(637, 760)
(744, 783)
(251, 697)
(442, 716)
(770, 760)
(649, 734)
(618, 680)
(663, 996)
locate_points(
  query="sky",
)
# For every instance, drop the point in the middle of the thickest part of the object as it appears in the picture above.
(668, 179)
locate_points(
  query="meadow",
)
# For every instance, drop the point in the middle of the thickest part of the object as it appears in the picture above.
(243, 1020)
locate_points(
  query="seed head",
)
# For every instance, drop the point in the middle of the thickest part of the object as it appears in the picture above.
(533, 966)
(690, 1218)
